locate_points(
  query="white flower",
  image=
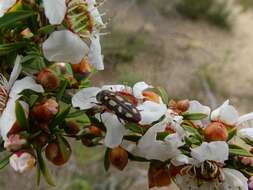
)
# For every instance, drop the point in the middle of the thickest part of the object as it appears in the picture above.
(9, 94)
(115, 130)
(14, 143)
(55, 10)
(151, 112)
(5, 5)
(22, 162)
(95, 56)
(225, 113)
(196, 107)
(65, 46)
(96, 16)
(246, 133)
(216, 152)
(151, 148)
(139, 88)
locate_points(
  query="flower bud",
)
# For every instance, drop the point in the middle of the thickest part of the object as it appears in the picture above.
(54, 154)
(41, 140)
(45, 110)
(16, 128)
(22, 161)
(95, 131)
(14, 143)
(159, 176)
(83, 68)
(183, 105)
(118, 157)
(48, 79)
(247, 161)
(26, 33)
(151, 96)
(72, 128)
(250, 183)
(216, 131)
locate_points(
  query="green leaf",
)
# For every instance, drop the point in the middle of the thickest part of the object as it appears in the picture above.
(5, 161)
(194, 116)
(11, 47)
(106, 159)
(64, 147)
(61, 91)
(44, 170)
(236, 150)
(162, 135)
(47, 29)
(32, 100)
(232, 133)
(164, 94)
(38, 175)
(248, 141)
(13, 17)
(136, 158)
(60, 117)
(135, 128)
(21, 116)
(132, 138)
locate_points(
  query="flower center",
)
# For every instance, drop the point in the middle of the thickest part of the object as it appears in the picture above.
(79, 18)
(4, 93)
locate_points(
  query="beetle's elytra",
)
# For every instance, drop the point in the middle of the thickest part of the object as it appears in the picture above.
(119, 105)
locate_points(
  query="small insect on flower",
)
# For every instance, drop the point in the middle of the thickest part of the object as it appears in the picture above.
(119, 105)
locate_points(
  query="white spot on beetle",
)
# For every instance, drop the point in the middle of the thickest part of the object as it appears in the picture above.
(112, 103)
(128, 115)
(120, 109)
(119, 98)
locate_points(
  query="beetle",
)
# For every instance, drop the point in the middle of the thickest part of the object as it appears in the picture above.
(119, 105)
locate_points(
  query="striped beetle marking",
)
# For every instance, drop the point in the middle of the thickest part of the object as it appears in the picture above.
(119, 105)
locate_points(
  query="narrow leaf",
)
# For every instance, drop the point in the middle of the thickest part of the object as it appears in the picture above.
(194, 116)
(164, 94)
(59, 119)
(21, 116)
(236, 150)
(5, 161)
(44, 170)
(106, 160)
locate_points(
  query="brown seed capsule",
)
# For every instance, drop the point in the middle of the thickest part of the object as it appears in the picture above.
(83, 68)
(118, 157)
(48, 79)
(53, 154)
(216, 131)
(45, 110)
(183, 105)
(72, 128)
(159, 176)
(87, 142)
(41, 140)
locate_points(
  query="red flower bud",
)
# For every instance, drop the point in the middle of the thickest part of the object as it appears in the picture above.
(83, 68)
(54, 154)
(45, 110)
(159, 176)
(95, 131)
(118, 157)
(87, 142)
(41, 140)
(48, 79)
(216, 131)
(72, 128)
(183, 105)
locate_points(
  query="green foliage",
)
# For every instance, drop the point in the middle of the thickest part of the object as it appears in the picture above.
(246, 4)
(79, 184)
(215, 12)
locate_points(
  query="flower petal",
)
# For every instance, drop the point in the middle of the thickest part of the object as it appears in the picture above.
(246, 133)
(115, 130)
(23, 162)
(5, 5)
(116, 88)
(8, 117)
(16, 71)
(151, 111)
(245, 118)
(85, 98)
(181, 160)
(24, 84)
(65, 46)
(196, 107)
(215, 151)
(225, 113)
(138, 89)
(95, 13)
(158, 150)
(234, 180)
(95, 56)
(55, 10)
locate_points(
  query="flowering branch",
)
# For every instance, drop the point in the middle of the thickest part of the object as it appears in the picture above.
(53, 48)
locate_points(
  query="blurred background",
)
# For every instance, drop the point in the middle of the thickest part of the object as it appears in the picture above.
(196, 49)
